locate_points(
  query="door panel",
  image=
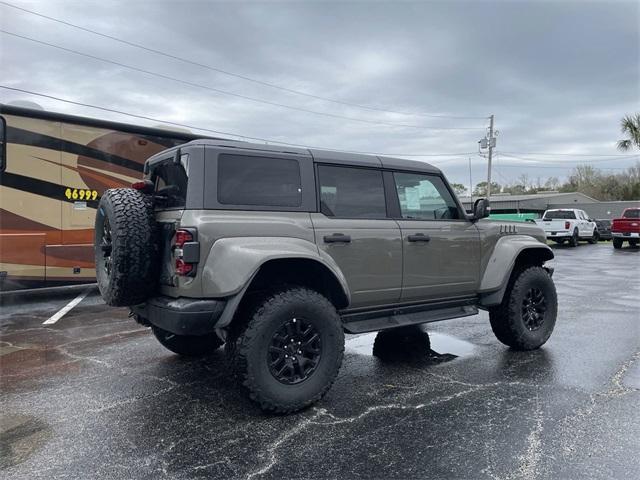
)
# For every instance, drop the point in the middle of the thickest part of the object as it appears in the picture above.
(441, 248)
(371, 261)
(447, 265)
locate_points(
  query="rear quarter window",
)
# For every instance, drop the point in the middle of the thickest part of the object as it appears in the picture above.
(170, 181)
(259, 181)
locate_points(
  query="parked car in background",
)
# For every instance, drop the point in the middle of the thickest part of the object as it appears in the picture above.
(604, 228)
(568, 224)
(626, 228)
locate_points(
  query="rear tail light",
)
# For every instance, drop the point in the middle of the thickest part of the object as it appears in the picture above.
(186, 252)
(183, 268)
(145, 186)
(567, 225)
(182, 237)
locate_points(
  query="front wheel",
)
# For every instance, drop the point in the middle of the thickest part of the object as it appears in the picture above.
(187, 345)
(289, 351)
(594, 238)
(527, 315)
(617, 243)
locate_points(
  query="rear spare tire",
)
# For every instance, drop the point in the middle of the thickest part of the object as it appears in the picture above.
(126, 247)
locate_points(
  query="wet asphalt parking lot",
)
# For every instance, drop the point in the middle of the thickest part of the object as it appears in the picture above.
(95, 396)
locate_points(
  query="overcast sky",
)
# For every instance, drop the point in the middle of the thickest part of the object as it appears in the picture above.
(558, 76)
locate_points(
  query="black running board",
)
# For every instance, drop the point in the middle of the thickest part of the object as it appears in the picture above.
(400, 317)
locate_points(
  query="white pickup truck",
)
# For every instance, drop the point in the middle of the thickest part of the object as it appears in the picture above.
(568, 224)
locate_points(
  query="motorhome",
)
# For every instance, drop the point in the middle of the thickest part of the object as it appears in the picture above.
(53, 169)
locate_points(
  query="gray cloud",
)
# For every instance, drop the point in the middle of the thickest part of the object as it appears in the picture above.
(557, 75)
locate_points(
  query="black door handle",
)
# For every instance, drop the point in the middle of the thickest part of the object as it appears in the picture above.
(419, 237)
(337, 238)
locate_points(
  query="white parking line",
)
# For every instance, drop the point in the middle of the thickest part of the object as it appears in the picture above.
(67, 308)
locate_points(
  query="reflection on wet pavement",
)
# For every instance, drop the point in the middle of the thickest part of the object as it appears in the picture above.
(413, 344)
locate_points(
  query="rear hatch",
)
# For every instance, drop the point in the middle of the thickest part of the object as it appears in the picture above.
(170, 179)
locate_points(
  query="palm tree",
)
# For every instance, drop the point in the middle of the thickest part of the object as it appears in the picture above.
(630, 126)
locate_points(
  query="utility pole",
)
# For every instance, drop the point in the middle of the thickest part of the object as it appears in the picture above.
(488, 142)
(470, 183)
(492, 143)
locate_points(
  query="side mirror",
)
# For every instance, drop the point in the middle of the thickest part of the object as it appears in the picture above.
(481, 209)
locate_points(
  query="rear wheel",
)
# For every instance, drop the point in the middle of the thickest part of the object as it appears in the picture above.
(633, 243)
(573, 240)
(527, 315)
(289, 351)
(126, 247)
(617, 243)
(187, 345)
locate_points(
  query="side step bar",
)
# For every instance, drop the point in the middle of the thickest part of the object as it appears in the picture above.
(400, 317)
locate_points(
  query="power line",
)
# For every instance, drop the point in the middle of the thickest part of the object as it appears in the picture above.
(617, 159)
(224, 92)
(232, 74)
(230, 134)
(569, 154)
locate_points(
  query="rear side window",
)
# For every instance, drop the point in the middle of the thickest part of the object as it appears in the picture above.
(351, 192)
(560, 214)
(631, 214)
(260, 181)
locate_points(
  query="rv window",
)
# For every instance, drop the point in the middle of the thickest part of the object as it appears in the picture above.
(3, 153)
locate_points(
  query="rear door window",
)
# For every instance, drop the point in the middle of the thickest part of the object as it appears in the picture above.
(351, 192)
(259, 181)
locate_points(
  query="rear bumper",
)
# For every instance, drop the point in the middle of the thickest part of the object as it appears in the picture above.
(182, 316)
(558, 234)
(625, 235)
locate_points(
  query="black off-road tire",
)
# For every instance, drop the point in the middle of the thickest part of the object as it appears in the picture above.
(574, 239)
(402, 343)
(507, 320)
(128, 275)
(617, 243)
(187, 345)
(249, 346)
(594, 238)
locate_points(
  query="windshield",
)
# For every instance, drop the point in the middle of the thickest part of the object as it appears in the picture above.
(561, 214)
(635, 213)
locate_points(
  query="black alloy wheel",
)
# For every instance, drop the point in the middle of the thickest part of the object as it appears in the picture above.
(534, 307)
(106, 246)
(294, 352)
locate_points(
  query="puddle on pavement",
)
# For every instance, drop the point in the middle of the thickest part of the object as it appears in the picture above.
(410, 344)
(20, 437)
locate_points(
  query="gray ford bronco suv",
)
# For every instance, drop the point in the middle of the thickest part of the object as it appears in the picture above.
(277, 252)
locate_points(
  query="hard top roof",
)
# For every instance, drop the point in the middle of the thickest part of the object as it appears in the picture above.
(317, 155)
